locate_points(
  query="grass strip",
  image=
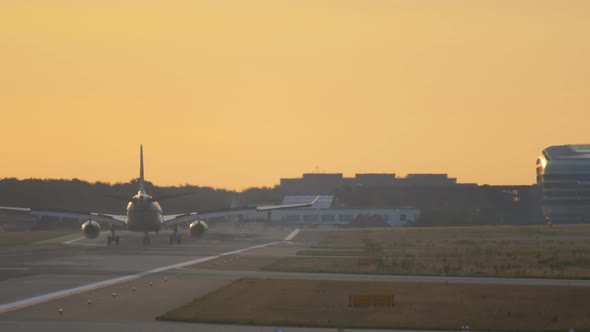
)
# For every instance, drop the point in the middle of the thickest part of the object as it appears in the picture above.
(321, 303)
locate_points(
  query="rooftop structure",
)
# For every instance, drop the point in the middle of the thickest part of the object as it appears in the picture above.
(326, 183)
(430, 179)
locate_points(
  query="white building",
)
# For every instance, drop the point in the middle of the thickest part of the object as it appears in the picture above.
(322, 213)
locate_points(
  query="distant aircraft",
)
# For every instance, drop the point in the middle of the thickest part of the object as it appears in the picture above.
(145, 215)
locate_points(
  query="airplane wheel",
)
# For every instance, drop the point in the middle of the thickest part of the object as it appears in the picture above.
(109, 239)
(117, 240)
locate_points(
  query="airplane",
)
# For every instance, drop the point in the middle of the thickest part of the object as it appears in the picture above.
(145, 215)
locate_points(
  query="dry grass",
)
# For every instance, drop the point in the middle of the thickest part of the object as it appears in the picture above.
(22, 238)
(417, 306)
(512, 251)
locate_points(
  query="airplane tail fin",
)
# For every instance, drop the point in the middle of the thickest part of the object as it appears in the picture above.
(141, 181)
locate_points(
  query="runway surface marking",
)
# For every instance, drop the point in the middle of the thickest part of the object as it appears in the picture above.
(292, 235)
(76, 290)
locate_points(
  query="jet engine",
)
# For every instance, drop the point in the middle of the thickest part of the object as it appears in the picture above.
(198, 227)
(90, 229)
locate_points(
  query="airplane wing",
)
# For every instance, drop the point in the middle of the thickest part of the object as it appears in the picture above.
(188, 217)
(117, 220)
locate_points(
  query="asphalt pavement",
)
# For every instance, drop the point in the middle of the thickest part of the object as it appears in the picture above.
(85, 285)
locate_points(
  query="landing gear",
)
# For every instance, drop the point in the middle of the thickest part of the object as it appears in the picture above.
(146, 239)
(175, 237)
(112, 238)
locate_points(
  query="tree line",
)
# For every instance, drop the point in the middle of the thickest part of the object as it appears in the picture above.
(82, 196)
(439, 206)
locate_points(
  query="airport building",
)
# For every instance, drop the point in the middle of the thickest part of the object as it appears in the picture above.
(563, 175)
(323, 213)
(327, 183)
(441, 199)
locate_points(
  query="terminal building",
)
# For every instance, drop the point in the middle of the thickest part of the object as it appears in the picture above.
(327, 183)
(563, 175)
(323, 213)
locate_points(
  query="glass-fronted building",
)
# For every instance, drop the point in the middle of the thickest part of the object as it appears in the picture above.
(563, 175)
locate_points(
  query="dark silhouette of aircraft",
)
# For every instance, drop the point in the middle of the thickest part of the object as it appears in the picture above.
(144, 214)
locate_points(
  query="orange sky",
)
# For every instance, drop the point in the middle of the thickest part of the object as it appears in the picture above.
(233, 94)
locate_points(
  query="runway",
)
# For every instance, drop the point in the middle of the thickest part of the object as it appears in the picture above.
(148, 281)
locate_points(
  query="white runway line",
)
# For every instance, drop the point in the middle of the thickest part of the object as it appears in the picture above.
(67, 292)
(292, 235)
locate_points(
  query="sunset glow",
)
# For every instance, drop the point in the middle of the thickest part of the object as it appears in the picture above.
(235, 94)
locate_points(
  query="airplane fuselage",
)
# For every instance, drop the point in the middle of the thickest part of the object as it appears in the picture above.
(144, 214)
